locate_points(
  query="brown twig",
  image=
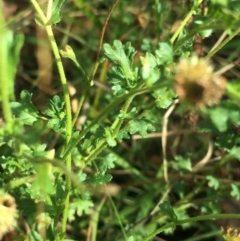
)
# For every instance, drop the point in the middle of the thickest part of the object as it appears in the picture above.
(104, 29)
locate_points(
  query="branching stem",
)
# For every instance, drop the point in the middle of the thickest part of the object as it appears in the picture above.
(63, 80)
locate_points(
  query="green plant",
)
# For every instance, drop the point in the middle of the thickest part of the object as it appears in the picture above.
(60, 171)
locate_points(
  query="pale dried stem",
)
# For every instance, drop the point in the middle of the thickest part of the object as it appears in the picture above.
(164, 138)
(205, 159)
(222, 37)
(227, 67)
(159, 134)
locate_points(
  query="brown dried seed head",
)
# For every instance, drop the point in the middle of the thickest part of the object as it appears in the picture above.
(196, 83)
(8, 213)
(231, 234)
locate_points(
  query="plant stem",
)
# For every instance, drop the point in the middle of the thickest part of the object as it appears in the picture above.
(110, 107)
(220, 46)
(67, 106)
(184, 22)
(190, 220)
(118, 217)
(95, 219)
(68, 159)
(80, 104)
(118, 122)
(84, 94)
(49, 10)
(116, 129)
(95, 67)
(4, 90)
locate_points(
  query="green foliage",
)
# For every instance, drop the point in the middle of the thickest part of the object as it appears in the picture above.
(213, 182)
(12, 47)
(56, 115)
(166, 208)
(182, 164)
(140, 126)
(235, 191)
(56, 8)
(79, 206)
(115, 160)
(122, 58)
(25, 110)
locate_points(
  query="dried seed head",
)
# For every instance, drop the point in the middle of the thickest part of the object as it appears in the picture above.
(8, 213)
(196, 83)
(231, 234)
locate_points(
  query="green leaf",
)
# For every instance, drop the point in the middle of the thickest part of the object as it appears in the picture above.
(235, 191)
(129, 115)
(219, 117)
(123, 135)
(98, 179)
(122, 57)
(44, 182)
(57, 115)
(233, 89)
(164, 54)
(213, 182)
(233, 110)
(167, 209)
(182, 164)
(131, 238)
(110, 139)
(141, 126)
(234, 153)
(39, 151)
(13, 43)
(199, 20)
(109, 161)
(79, 206)
(220, 2)
(56, 18)
(164, 97)
(24, 109)
(149, 62)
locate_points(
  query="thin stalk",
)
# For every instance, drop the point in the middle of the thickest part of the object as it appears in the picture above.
(63, 80)
(80, 104)
(99, 90)
(115, 127)
(95, 220)
(116, 130)
(109, 108)
(87, 86)
(84, 94)
(190, 220)
(118, 217)
(184, 22)
(49, 9)
(68, 159)
(4, 88)
(224, 42)
(100, 147)
(95, 67)
(118, 122)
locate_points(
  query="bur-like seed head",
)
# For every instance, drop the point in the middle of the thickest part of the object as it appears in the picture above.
(231, 234)
(196, 83)
(8, 213)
